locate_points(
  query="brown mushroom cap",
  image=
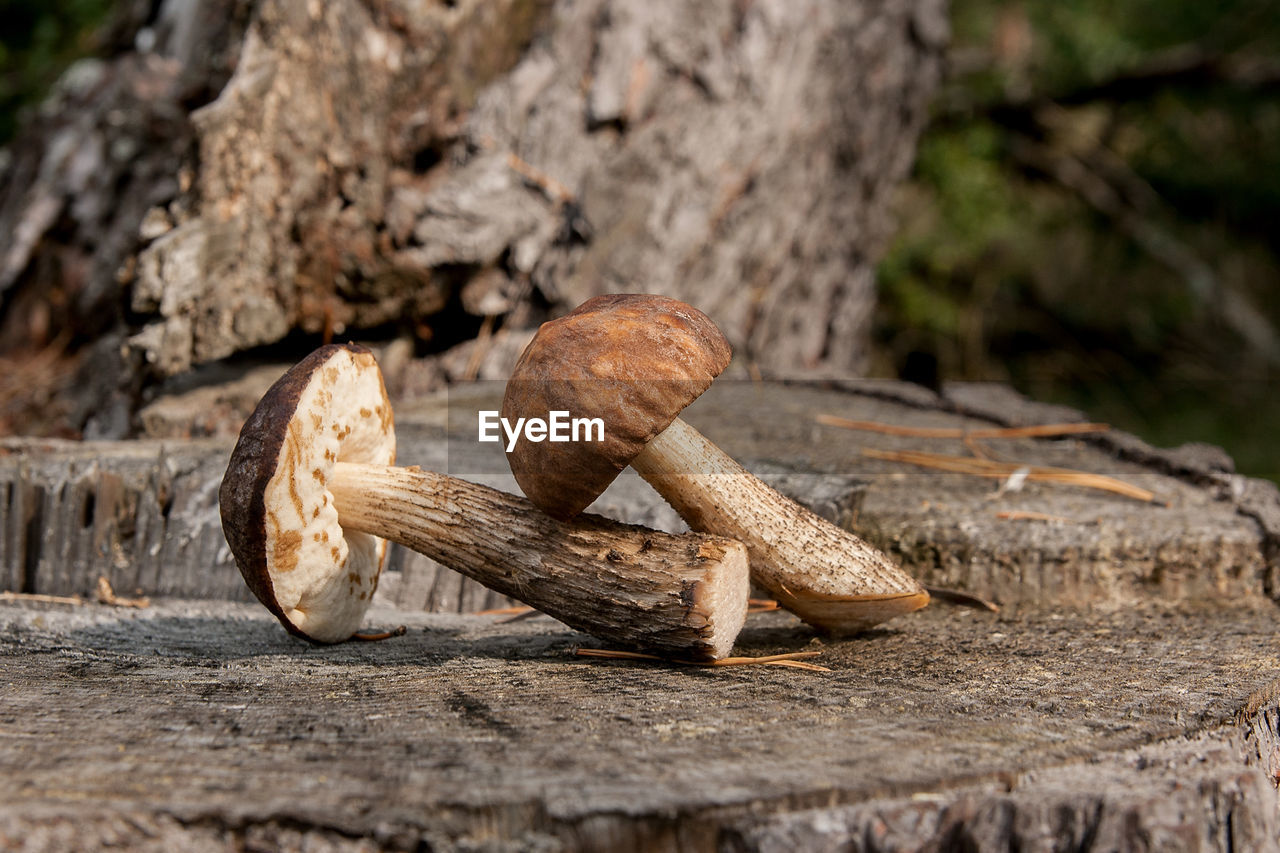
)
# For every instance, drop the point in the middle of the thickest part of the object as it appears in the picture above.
(634, 361)
(277, 514)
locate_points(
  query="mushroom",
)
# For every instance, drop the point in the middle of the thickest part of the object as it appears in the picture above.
(635, 361)
(311, 496)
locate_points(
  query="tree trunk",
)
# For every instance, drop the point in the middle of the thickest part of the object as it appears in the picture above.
(441, 170)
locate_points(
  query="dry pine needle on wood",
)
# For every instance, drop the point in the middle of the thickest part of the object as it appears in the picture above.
(795, 660)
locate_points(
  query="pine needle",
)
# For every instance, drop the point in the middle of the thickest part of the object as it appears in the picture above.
(504, 611)
(1003, 470)
(107, 595)
(41, 598)
(1036, 431)
(789, 659)
(962, 598)
(762, 605)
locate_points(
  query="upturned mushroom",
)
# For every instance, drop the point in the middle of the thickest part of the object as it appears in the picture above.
(311, 496)
(635, 361)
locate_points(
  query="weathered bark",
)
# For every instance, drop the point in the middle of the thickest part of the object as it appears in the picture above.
(106, 162)
(112, 141)
(419, 167)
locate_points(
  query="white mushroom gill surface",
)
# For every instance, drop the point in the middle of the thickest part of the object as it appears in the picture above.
(323, 578)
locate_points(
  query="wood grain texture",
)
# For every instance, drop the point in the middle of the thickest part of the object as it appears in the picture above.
(143, 514)
(199, 726)
(1212, 539)
(153, 505)
(1123, 698)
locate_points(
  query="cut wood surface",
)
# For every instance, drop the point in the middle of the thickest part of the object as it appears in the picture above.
(1124, 697)
(193, 726)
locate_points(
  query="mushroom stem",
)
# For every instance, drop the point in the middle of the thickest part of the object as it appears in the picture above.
(825, 575)
(677, 595)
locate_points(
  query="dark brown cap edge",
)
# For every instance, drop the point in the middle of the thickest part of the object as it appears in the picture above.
(241, 498)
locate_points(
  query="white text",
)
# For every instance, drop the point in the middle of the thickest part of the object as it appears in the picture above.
(558, 426)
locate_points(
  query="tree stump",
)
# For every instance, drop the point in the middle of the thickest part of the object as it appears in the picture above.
(1125, 695)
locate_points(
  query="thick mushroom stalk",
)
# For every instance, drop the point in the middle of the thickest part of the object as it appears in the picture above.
(827, 576)
(635, 361)
(310, 496)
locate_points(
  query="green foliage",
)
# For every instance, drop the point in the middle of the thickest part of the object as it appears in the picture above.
(38, 40)
(1093, 216)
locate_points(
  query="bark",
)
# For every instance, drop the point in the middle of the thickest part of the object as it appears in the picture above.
(112, 141)
(394, 168)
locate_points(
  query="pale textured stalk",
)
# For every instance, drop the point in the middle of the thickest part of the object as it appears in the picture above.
(825, 575)
(681, 596)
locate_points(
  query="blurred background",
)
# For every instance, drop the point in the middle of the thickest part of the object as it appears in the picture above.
(38, 41)
(1093, 215)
